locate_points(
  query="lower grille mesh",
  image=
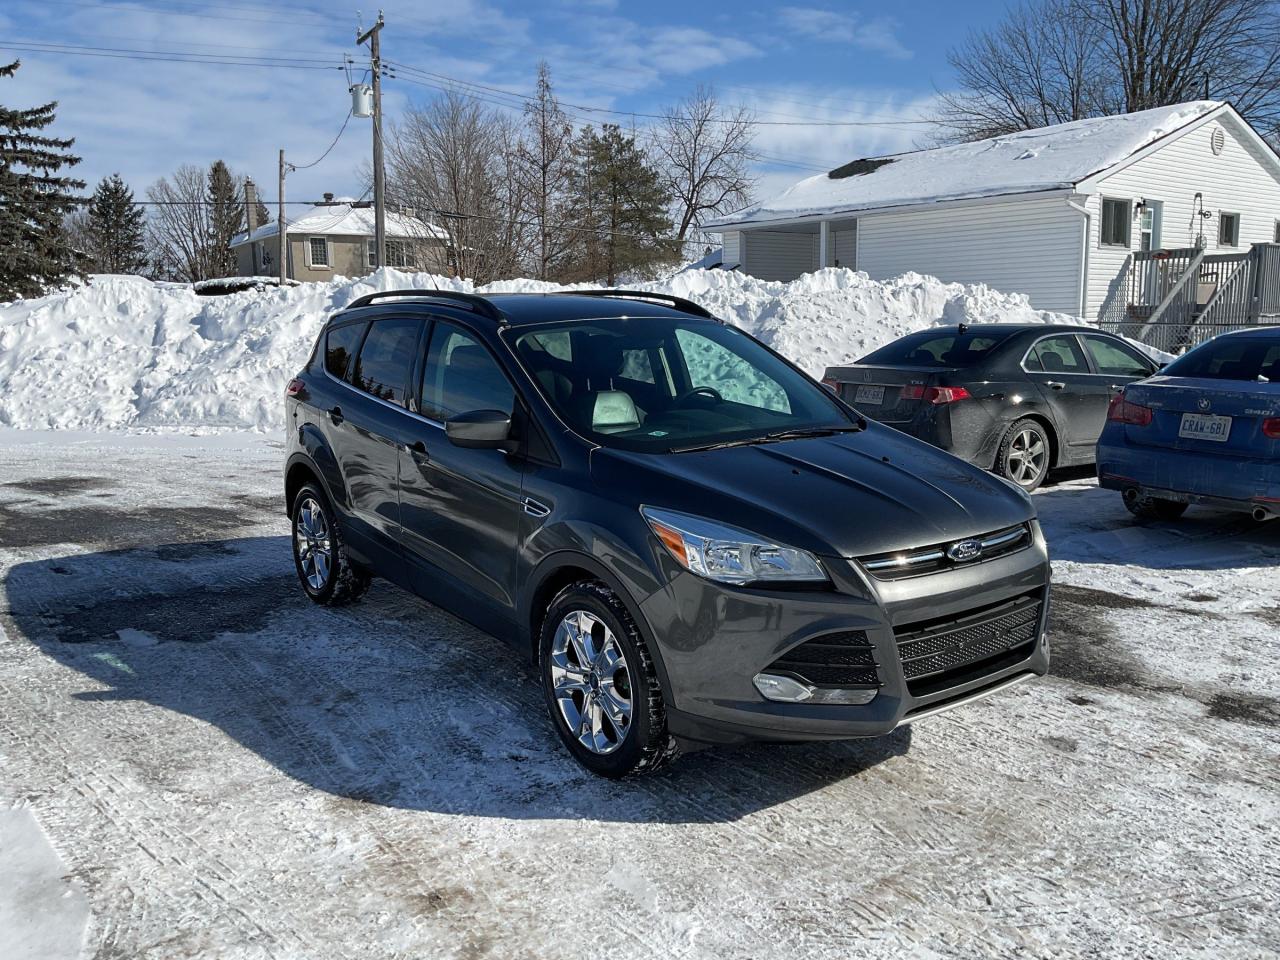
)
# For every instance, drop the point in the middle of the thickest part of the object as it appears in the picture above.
(833, 660)
(933, 650)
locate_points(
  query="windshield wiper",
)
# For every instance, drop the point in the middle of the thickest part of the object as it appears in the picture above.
(779, 435)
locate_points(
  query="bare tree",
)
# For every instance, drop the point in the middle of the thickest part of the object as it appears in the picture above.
(179, 228)
(546, 175)
(704, 152)
(450, 162)
(1065, 60)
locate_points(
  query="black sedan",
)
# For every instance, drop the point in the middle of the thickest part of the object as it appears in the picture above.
(1017, 399)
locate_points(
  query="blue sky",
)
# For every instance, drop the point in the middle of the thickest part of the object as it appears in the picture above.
(789, 61)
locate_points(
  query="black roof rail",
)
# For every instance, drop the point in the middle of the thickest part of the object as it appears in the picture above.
(468, 301)
(678, 303)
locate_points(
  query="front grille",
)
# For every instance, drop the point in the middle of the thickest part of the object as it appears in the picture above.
(935, 558)
(832, 660)
(941, 653)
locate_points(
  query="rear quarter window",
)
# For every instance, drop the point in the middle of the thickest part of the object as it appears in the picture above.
(340, 345)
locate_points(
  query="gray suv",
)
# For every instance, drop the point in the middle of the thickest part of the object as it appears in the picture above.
(694, 541)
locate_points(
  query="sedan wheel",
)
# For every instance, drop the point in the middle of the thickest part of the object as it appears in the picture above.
(1025, 454)
(591, 683)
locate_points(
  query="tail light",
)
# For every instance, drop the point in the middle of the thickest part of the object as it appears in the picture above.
(1271, 428)
(294, 388)
(935, 395)
(832, 385)
(1134, 414)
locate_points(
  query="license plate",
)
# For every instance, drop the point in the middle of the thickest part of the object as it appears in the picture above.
(1204, 426)
(869, 394)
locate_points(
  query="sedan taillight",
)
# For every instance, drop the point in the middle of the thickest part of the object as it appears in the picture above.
(832, 385)
(1271, 428)
(1134, 414)
(935, 395)
(294, 388)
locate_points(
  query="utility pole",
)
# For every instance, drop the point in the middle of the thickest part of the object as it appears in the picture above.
(379, 199)
(282, 241)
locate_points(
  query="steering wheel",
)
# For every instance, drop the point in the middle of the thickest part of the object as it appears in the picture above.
(711, 392)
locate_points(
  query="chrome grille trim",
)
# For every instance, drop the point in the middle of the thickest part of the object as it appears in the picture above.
(934, 558)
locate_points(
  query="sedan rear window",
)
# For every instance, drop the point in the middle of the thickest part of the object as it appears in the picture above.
(1230, 358)
(932, 349)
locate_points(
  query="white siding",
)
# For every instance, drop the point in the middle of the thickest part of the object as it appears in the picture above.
(1029, 246)
(845, 241)
(1237, 181)
(732, 255)
(779, 256)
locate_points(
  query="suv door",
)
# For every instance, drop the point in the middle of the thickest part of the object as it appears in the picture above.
(459, 507)
(1058, 367)
(371, 421)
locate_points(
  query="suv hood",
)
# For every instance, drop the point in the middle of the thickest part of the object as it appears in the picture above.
(846, 495)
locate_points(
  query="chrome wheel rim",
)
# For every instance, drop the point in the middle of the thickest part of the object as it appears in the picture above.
(590, 682)
(1028, 455)
(311, 544)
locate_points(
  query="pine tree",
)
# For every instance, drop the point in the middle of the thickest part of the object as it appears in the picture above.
(35, 252)
(226, 219)
(546, 171)
(115, 229)
(627, 203)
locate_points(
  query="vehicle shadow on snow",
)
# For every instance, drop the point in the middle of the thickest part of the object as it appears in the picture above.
(388, 702)
(1084, 523)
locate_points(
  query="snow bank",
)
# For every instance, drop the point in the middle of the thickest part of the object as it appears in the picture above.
(123, 352)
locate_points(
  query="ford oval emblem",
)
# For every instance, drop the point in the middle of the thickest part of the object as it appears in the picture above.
(1203, 403)
(964, 550)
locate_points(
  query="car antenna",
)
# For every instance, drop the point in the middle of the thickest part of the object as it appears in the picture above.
(962, 328)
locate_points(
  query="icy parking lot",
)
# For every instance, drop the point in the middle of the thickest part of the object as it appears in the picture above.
(197, 762)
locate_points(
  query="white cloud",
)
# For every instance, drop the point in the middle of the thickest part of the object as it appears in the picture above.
(815, 23)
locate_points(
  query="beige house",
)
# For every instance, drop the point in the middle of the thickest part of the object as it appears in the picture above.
(335, 239)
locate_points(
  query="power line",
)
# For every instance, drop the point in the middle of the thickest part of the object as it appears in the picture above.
(308, 166)
(148, 56)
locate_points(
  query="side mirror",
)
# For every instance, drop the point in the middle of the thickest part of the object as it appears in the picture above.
(481, 430)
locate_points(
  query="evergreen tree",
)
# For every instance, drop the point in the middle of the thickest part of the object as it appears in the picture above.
(226, 219)
(626, 204)
(116, 230)
(546, 173)
(35, 252)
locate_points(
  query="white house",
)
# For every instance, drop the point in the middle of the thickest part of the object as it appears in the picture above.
(1053, 213)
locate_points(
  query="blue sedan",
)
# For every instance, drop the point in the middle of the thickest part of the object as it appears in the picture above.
(1206, 429)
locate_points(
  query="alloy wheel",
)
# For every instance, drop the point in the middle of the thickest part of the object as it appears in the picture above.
(590, 681)
(1028, 455)
(311, 541)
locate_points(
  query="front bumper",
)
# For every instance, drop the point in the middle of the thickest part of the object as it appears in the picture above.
(714, 639)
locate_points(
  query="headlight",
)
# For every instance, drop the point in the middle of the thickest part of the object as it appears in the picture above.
(729, 555)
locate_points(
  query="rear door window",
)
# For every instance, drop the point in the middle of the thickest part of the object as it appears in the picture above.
(385, 364)
(1117, 359)
(340, 345)
(1057, 355)
(462, 376)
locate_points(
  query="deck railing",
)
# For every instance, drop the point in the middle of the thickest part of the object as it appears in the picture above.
(1179, 298)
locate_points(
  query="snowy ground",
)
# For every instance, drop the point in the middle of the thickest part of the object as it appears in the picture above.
(217, 768)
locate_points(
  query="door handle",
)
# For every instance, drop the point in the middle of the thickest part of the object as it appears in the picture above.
(335, 415)
(417, 450)
(1117, 387)
(1055, 384)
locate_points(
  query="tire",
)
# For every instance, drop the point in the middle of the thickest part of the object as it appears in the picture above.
(325, 569)
(1025, 454)
(1153, 508)
(622, 678)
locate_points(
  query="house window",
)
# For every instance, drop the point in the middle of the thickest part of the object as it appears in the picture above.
(1228, 229)
(398, 253)
(1116, 216)
(319, 250)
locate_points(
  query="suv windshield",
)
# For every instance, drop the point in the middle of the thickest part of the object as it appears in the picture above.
(1230, 358)
(935, 349)
(671, 384)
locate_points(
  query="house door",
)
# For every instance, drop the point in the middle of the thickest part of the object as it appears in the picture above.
(1149, 225)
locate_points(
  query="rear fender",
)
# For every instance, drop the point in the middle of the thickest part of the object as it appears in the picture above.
(317, 455)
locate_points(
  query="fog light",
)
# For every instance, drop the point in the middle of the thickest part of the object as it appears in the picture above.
(784, 689)
(789, 690)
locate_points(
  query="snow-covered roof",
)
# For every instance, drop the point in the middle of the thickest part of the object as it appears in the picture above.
(344, 219)
(1050, 158)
